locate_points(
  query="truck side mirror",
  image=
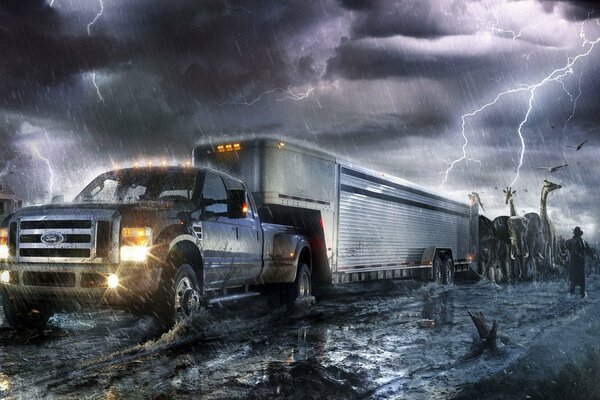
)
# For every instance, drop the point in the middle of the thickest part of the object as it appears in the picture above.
(236, 204)
(58, 199)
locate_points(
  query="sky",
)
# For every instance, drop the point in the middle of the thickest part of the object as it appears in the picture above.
(459, 96)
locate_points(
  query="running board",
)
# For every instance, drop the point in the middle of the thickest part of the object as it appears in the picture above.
(233, 297)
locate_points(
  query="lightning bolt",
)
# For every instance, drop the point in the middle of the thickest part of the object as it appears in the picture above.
(89, 32)
(288, 94)
(574, 101)
(100, 98)
(98, 15)
(37, 153)
(554, 76)
(515, 35)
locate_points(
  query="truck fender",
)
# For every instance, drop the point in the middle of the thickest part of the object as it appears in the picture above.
(184, 250)
(288, 251)
(303, 253)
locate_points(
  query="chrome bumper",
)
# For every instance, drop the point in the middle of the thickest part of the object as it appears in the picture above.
(73, 286)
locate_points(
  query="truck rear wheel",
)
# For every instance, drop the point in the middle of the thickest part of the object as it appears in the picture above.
(181, 298)
(300, 289)
(448, 271)
(25, 316)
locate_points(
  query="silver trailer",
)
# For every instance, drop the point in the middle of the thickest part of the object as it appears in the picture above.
(362, 224)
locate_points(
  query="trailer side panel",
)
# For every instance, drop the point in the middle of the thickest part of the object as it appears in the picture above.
(383, 224)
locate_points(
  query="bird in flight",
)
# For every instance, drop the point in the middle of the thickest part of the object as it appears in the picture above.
(553, 169)
(579, 146)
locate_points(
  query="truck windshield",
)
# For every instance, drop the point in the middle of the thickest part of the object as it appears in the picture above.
(130, 186)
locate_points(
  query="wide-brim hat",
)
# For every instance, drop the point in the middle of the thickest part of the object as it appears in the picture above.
(577, 231)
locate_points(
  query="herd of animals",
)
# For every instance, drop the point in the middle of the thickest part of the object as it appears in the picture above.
(517, 247)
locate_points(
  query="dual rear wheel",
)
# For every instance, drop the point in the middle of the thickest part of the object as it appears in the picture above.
(443, 270)
(289, 294)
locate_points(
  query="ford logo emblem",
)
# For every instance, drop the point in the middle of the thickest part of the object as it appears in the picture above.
(52, 238)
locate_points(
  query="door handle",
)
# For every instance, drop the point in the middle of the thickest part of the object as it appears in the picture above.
(237, 232)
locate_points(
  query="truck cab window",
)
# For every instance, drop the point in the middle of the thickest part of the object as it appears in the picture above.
(214, 196)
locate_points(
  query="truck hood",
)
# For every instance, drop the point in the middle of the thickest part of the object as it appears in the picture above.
(91, 208)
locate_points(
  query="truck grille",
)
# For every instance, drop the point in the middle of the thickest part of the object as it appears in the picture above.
(67, 240)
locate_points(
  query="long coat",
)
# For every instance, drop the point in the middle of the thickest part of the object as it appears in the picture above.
(577, 248)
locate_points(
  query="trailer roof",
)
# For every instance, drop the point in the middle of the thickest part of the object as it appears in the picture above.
(307, 149)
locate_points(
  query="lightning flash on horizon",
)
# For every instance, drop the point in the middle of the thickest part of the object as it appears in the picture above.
(554, 76)
(289, 94)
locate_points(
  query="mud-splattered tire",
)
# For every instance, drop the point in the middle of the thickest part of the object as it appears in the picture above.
(181, 298)
(301, 288)
(448, 271)
(437, 269)
(25, 316)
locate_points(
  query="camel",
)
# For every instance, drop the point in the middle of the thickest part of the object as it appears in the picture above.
(551, 237)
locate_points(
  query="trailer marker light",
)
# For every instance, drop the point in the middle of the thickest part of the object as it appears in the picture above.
(280, 145)
(228, 147)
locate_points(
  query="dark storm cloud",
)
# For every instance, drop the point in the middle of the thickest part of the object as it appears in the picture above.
(365, 59)
(573, 10)
(216, 49)
(37, 53)
(424, 19)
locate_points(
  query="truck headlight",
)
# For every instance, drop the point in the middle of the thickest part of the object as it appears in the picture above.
(135, 243)
(4, 252)
(5, 277)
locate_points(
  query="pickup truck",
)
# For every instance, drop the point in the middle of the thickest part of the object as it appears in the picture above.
(155, 240)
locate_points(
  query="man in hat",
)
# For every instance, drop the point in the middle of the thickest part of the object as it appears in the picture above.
(577, 249)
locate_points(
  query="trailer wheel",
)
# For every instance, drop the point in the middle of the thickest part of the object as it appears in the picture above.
(300, 289)
(448, 271)
(438, 269)
(25, 316)
(181, 298)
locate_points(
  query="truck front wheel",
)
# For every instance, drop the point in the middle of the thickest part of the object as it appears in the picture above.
(25, 316)
(182, 298)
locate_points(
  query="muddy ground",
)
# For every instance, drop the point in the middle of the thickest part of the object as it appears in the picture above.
(380, 340)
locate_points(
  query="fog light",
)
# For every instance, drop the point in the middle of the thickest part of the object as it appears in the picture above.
(5, 276)
(113, 281)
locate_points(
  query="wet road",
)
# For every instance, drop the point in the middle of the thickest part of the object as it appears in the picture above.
(379, 340)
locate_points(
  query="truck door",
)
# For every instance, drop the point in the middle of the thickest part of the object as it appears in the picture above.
(249, 237)
(219, 241)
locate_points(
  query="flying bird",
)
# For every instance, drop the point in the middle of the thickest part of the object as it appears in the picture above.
(578, 146)
(553, 169)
